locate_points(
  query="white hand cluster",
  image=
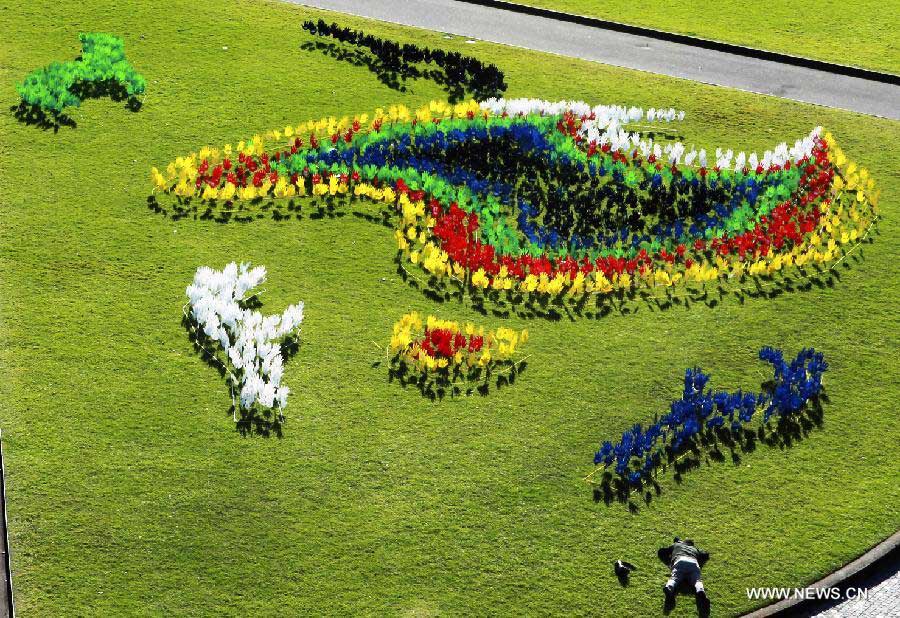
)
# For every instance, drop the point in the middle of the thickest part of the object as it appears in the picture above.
(251, 341)
(603, 124)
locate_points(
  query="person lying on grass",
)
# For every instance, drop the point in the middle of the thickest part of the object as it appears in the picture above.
(685, 560)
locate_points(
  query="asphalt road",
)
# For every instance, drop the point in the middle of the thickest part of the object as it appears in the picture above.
(631, 51)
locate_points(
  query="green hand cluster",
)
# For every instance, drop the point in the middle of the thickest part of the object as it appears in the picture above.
(101, 69)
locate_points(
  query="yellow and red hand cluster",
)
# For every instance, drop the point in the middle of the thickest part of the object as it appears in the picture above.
(435, 344)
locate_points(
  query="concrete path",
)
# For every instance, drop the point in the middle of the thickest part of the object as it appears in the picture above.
(883, 600)
(631, 51)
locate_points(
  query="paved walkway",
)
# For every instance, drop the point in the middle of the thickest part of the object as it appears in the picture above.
(883, 600)
(631, 51)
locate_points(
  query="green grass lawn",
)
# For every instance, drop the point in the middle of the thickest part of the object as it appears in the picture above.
(860, 33)
(130, 492)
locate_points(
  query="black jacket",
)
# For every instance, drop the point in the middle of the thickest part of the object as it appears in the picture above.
(682, 549)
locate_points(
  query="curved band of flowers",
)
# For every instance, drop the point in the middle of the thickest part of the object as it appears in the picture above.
(529, 197)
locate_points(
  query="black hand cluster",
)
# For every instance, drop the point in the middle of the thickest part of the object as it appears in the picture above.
(462, 74)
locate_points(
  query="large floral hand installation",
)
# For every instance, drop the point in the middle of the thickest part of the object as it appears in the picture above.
(525, 201)
(221, 312)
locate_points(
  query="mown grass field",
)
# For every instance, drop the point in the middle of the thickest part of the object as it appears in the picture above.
(860, 33)
(131, 493)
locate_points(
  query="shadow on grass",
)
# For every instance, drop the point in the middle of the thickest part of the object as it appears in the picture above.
(35, 115)
(254, 421)
(503, 304)
(455, 382)
(714, 446)
(239, 211)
